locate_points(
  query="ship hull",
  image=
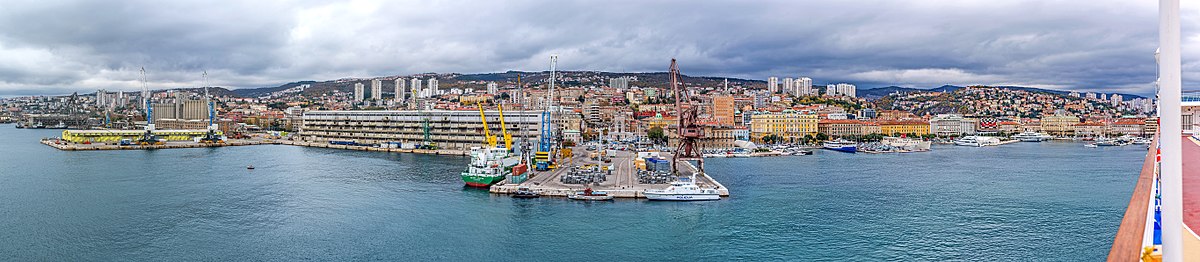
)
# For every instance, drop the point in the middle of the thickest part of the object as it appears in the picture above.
(847, 149)
(481, 181)
(681, 197)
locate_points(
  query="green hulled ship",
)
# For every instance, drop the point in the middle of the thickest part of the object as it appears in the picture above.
(489, 166)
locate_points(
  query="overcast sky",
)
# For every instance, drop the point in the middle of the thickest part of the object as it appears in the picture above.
(56, 47)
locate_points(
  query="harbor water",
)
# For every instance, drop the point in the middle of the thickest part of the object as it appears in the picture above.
(1053, 201)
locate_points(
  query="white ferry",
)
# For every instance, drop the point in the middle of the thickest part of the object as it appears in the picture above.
(683, 190)
(1031, 137)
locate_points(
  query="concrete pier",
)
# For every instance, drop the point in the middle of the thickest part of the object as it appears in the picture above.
(622, 183)
(69, 146)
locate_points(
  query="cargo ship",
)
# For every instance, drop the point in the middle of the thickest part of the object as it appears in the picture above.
(490, 165)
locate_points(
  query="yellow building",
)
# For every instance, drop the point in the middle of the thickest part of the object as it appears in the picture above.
(1059, 125)
(904, 127)
(788, 125)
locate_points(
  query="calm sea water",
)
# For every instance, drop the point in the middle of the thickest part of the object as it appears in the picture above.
(1026, 201)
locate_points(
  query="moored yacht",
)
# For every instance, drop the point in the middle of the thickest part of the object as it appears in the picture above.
(1031, 137)
(977, 141)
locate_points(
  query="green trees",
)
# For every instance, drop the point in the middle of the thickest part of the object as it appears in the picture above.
(656, 135)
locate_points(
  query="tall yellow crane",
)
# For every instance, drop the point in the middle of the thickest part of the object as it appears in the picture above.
(488, 138)
(504, 129)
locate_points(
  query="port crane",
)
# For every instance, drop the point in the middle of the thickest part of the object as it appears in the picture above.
(487, 135)
(148, 138)
(508, 143)
(525, 156)
(545, 153)
(211, 136)
(690, 131)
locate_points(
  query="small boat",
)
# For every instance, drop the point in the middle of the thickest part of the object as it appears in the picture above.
(524, 192)
(977, 141)
(841, 146)
(683, 190)
(967, 141)
(250, 167)
(1092, 145)
(588, 195)
(1108, 142)
(803, 153)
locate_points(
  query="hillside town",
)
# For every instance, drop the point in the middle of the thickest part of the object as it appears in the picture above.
(589, 105)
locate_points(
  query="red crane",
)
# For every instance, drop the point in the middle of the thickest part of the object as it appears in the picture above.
(690, 131)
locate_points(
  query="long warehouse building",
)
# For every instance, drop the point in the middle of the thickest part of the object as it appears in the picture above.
(459, 130)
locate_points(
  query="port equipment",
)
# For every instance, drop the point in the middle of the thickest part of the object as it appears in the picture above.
(211, 136)
(690, 131)
(148, 138)
(544, 156)
(488, 139)
(426, 129)
(508, 143)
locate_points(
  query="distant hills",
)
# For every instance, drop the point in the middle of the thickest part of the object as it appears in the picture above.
(876, 93)
(536, 79)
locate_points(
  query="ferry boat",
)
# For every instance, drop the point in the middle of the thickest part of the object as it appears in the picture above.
(906, 144)
(841, 146)
(1031, 137)
(683, 190)
(489, 166)
(977, 141)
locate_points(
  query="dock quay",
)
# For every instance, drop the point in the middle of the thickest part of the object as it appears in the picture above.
(623, 182)
(450, 152)
(70, 146)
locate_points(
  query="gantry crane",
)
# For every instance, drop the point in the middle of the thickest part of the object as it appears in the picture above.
(690, 131)
(487, 135)
(545, 153)
(148, 138)
(211, 136)
(508, 143)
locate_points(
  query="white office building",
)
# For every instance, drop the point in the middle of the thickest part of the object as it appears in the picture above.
(416, 88)
(376, 89)
(399, 85)
(492, 88)
(433, 87)
(842, 89)
(772, 84)
(358, 92)
(804, 86)
(789, 86)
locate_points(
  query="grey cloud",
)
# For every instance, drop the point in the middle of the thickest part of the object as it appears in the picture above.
(1084, 45)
